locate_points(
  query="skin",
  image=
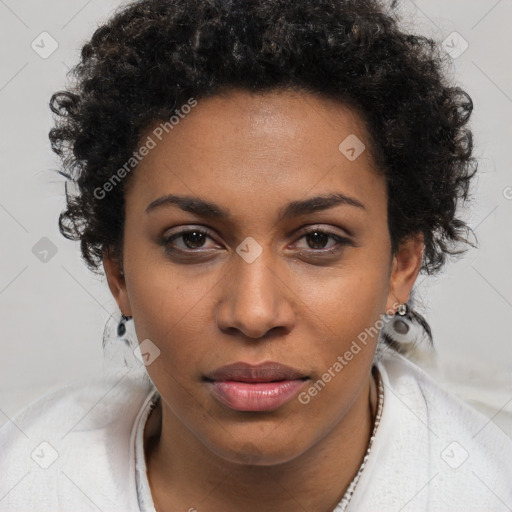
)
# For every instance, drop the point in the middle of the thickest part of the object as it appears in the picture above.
(296, 304)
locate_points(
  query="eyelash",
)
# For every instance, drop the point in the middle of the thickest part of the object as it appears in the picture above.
(341, 241)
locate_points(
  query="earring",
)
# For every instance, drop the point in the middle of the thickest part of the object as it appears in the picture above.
(402, 309)
(405, 330)
(398, 331)
(121, 328)
(400, 324)
(119, 342)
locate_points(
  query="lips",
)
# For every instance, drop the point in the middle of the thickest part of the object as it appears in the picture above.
(264, 372)
(264, 387)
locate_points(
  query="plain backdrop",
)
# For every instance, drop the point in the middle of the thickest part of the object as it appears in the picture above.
(53, 310)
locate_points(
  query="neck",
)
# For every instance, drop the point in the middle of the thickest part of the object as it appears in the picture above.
(185, 475)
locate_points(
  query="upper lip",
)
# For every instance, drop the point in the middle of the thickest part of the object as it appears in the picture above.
(263, 372)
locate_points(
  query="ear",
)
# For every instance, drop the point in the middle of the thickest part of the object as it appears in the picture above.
(116, 281)
(405, 268)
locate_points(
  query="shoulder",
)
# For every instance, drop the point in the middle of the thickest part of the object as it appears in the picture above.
(441, 408)
(73, 446)
(465, 459)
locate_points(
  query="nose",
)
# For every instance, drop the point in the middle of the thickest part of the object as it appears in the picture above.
(256, 299)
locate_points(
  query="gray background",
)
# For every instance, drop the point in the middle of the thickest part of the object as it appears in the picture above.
(53, 313)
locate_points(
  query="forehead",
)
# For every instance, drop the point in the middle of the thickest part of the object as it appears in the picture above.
(278, 145)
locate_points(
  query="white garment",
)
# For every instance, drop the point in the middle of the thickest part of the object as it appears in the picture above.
(432, 452)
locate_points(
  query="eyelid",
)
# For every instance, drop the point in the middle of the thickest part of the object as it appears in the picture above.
(167, 239)
(327, 230)
(304, 231)
(186, 229)
(341, 240)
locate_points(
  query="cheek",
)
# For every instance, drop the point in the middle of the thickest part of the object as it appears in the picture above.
(349, 298)
(172, 315)
(163, 296)
(347, 308)
(169, 309)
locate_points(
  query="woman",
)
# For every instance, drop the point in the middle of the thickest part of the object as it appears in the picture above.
(262, 182)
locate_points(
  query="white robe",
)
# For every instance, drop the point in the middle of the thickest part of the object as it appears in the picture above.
(79, 449)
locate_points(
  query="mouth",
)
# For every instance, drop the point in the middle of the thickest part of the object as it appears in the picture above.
(263, 387)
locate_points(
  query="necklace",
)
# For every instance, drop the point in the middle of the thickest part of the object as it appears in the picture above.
(343, 504)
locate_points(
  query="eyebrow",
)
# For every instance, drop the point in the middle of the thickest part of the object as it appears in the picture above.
(208, 209)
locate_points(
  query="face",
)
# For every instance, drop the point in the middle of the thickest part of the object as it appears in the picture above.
(250, 237)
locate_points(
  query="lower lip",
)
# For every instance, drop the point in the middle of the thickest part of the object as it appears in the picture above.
(255, 396)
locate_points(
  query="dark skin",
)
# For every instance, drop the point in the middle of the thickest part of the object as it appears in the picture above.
(301, 302)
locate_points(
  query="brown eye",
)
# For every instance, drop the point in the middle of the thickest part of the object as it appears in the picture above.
(187, 240)
(317, 241)
(194, 239)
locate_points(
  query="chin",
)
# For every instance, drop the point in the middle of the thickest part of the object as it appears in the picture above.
(257, 450)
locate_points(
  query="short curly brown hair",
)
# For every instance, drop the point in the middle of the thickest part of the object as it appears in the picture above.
(153, 55)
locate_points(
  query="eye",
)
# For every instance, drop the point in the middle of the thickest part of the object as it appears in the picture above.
(317, 241)
(194, 239)
(187, 240)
